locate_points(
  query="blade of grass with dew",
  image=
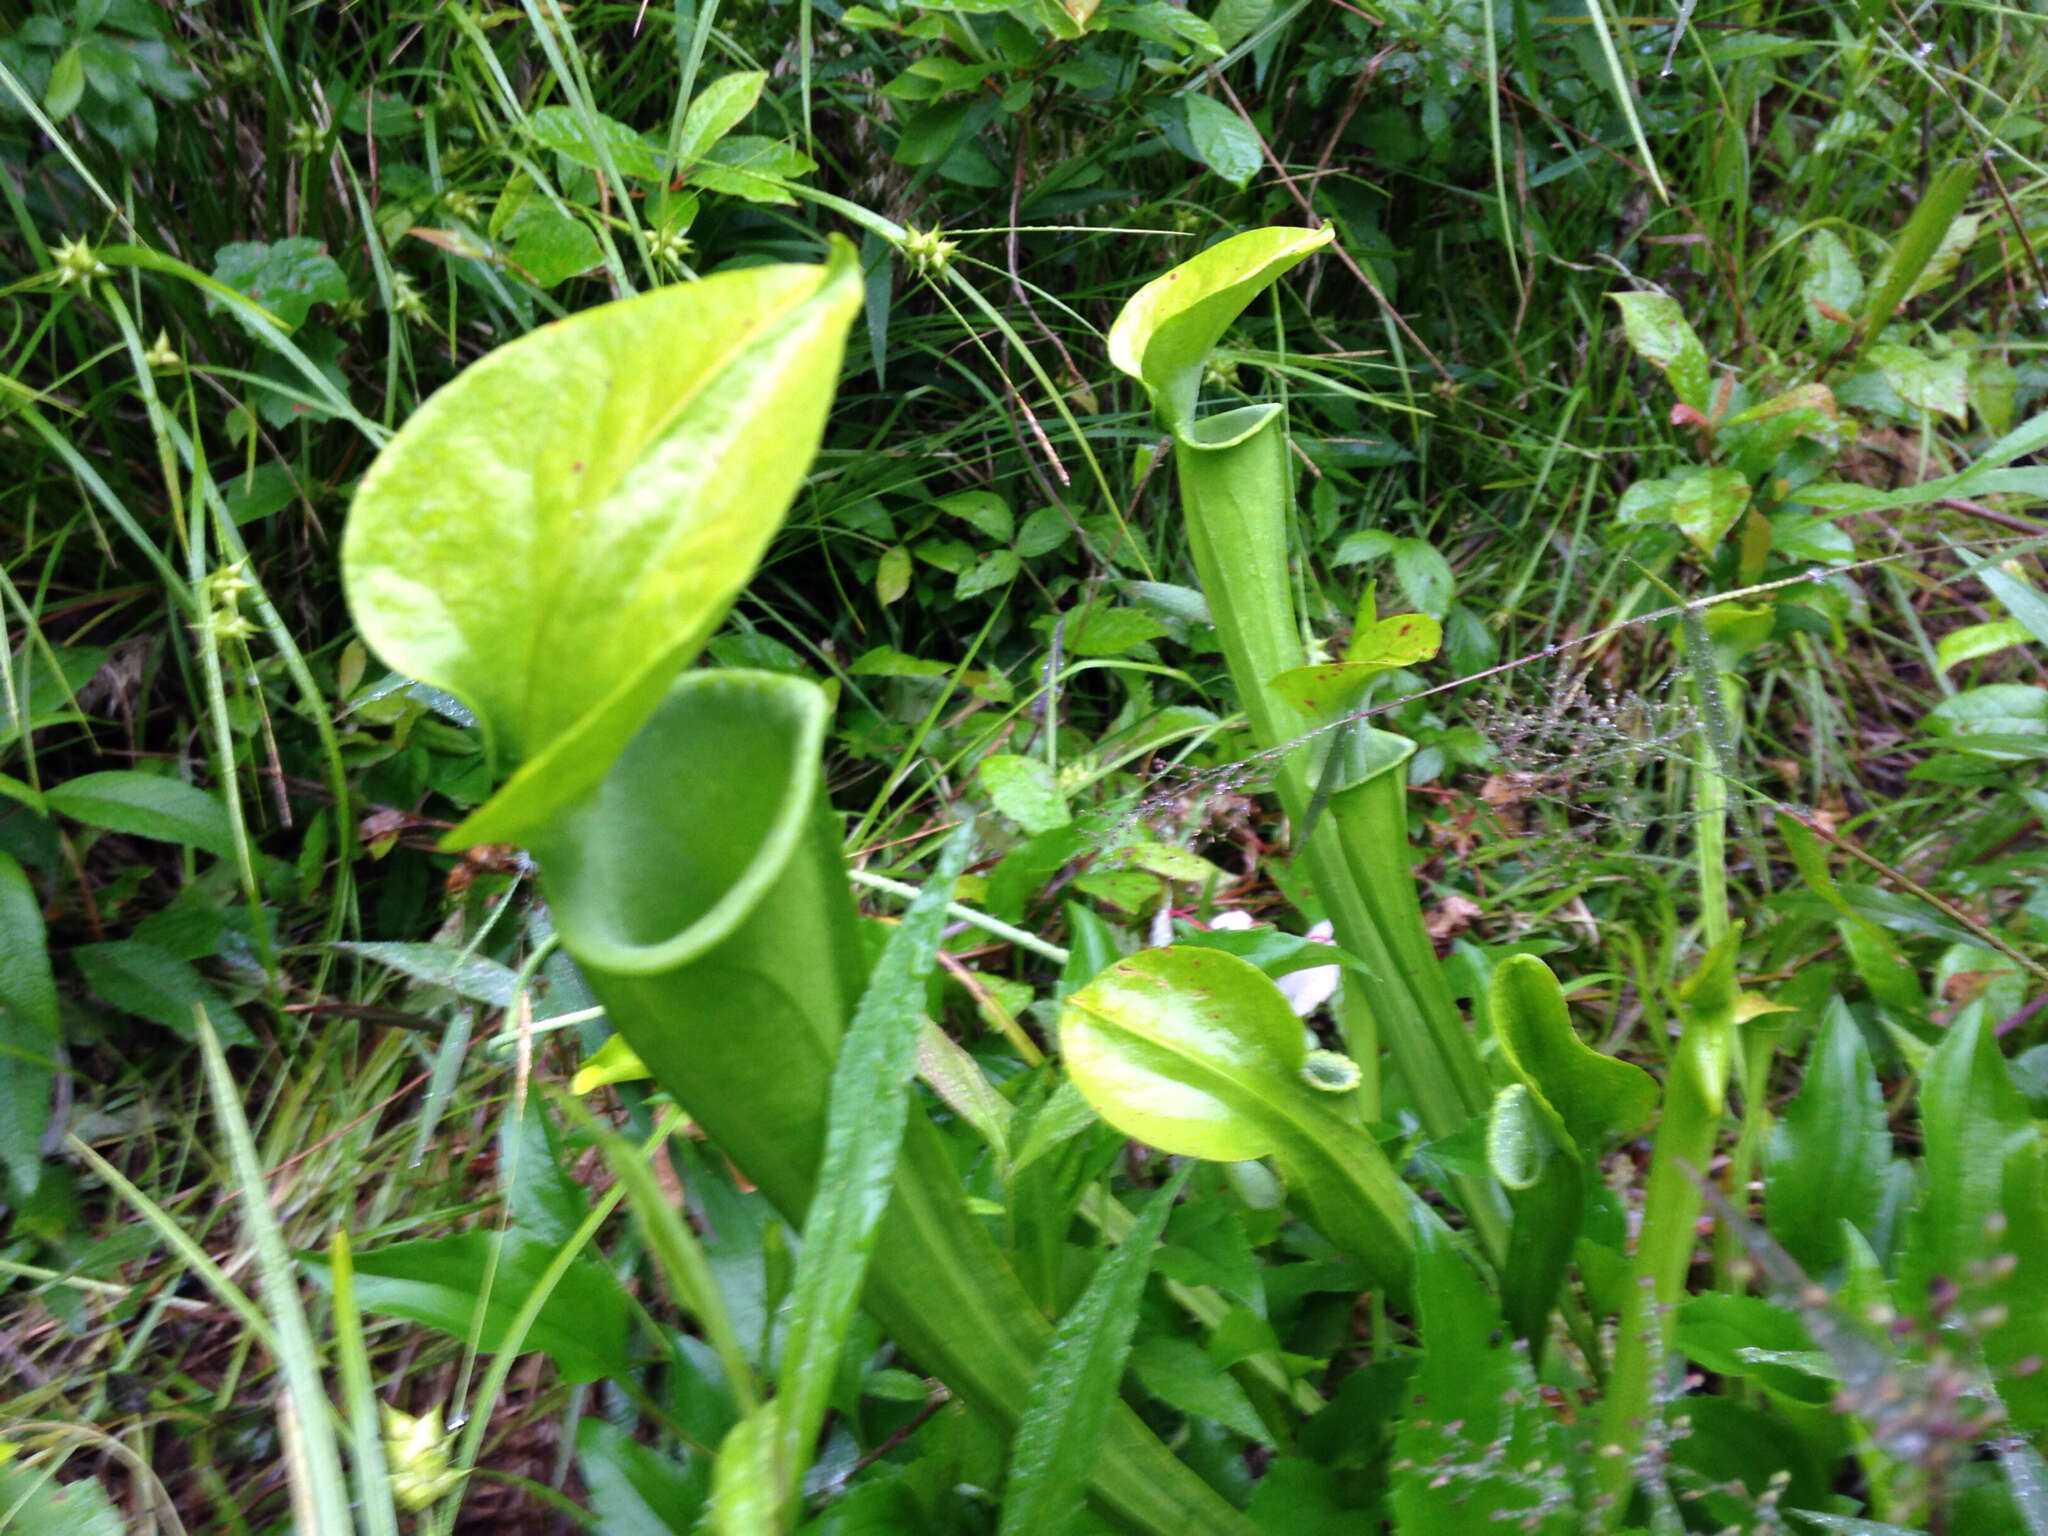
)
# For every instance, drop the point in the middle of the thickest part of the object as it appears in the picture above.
(869, 1109)
(1076, 1383)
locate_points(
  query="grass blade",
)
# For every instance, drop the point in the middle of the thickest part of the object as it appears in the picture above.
(319, 1465)
(372, 1476)
(1076, 1383)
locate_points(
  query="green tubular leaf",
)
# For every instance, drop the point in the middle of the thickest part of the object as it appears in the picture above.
(1599, 1098)
(1164, 334)
(1196, 1052)
(555, 533)
(1917, 244)
(1075, 1385)
(717, 931)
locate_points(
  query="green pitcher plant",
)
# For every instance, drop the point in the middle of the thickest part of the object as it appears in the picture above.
(551, 539)
(1237, 498)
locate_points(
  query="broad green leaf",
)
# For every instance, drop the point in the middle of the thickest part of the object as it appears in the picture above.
(2022, 600)
(153, 983)
(1830, 1148)
(865, 1121)
(1075, 1386)
(559, 129)
(984, 510)
(1599, 1098)
(1757, 436)
(717, 109)
(146, 805)
(1184, 1048)
(753, 168)
(1477, 1451)
(1831, 288)
(1956, 240)
(634, 1490)
(1973, 641)
(1163, 336)
(2006, 722)
(956, 1077)
(1180, 1374)
(476, 977)
(1425, 575)
(892, 574)
(548, 245)
(1225, 141)
(37, 1504)
(554, 534)
(996, 568)
(67, 83)
(438, 1281)
(29, 1029)
(1198, 1053)
(1664, 338)
(1931, 383)
(287, 277)
(1112, 631)
(1971, 1119)
(1025, 790)
(26, 988)
(1749, 1337)
(1702, 504)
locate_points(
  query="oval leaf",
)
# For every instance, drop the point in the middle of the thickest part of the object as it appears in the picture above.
(146, 805)
(1163, 335)
(554, 534)
(1183, 1048)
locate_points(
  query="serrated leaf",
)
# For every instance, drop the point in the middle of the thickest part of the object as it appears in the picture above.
(1971, 1119)
(1702, 504)
(1932, 383)
(997, 568)
(985, 510)
(1476, 1449)
(476, 977)
(561, 130)
(29, 1029)
(153, 983)
(554, 534)
(146, 805)
(1025, 790)
(548, 245)
(1830, 1148)
(1067, 1407)
(1662, 337)
(287, 277)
